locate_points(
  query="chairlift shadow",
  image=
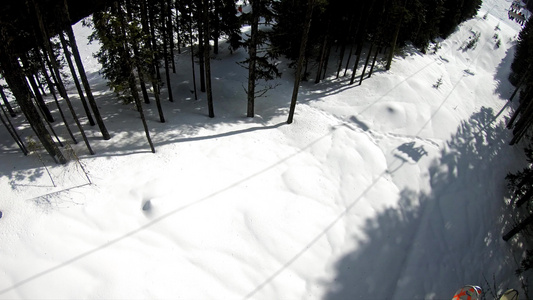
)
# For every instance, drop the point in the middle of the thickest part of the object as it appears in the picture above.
(408, 153)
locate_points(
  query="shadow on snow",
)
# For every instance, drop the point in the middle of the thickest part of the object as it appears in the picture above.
(410, 250)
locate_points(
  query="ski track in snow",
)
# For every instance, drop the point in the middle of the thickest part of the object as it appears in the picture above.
(374, 192)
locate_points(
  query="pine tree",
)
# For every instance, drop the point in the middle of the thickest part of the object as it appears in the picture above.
(185, 9)
(12, 131)
(55, 67)
(226, 23)
(259, 63)
(199, 17)
(6, 102)
(76, 81)
(148, 56)
(207, 57)
(14, 76)
(166, 37)
(522, 77)
(81, 70)
(29, 72)
(130, 29)
(303, 45)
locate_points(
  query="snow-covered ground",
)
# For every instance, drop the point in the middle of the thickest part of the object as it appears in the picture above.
(390, 190)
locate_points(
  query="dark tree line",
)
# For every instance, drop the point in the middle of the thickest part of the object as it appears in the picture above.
(521, 183)
(31, 65)
(140, 38)
(349, 26)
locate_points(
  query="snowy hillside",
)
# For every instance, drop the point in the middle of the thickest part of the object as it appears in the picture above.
(389, 190)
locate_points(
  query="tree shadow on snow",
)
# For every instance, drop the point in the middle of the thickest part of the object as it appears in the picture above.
(503, 88)
(187, 118)
(432, 244)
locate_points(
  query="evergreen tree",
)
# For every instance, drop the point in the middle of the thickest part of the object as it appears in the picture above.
(523, 58)
(147, 56)
(14, 76)
(287, 30)
(206, 48)
(226, 23)
(6, 102)
(111, 54)
(303, 45)
(120, 35)
(81, 70)
(76, 81)
(166, 37)
(55, 67)
(187, 23)
(455, 12)
(521, 77)
(425, 17)
(260, 63)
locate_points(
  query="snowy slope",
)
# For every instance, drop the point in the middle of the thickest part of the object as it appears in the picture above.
(389, 190)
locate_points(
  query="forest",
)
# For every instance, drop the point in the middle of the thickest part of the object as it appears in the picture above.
(139, 39)
(521, 183)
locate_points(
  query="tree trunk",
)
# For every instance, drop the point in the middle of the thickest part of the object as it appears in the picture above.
(521, 127)
(525, 115)
(46, 63)
(151, 16)
(192, 61)
(13, 132)
(216, 26)
(141, 113)
(322, 58)
(518, 228)
(48, 47)
(38, 97)
(526, 74)
(208, 61)
(395, 38)
(131, 76)
(378, 49)
(76, 81)
(524, 198)
(366, 62)
(178, 36)
(358, 53)
(305, 35)
(326, 62)
(170, 34)
(165, 50)
(42, 114)
(6, 102)
(341, 59)
(348, 61)
(527, 102)
(148, 41)
(142, 83)
(41, 88)
(252, 57)
(83, 76)
(357, 34)
(201, 47)
(343, 47)
(138, 64)
(15, 79)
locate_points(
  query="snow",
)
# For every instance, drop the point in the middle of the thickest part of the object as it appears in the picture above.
(389, 190)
